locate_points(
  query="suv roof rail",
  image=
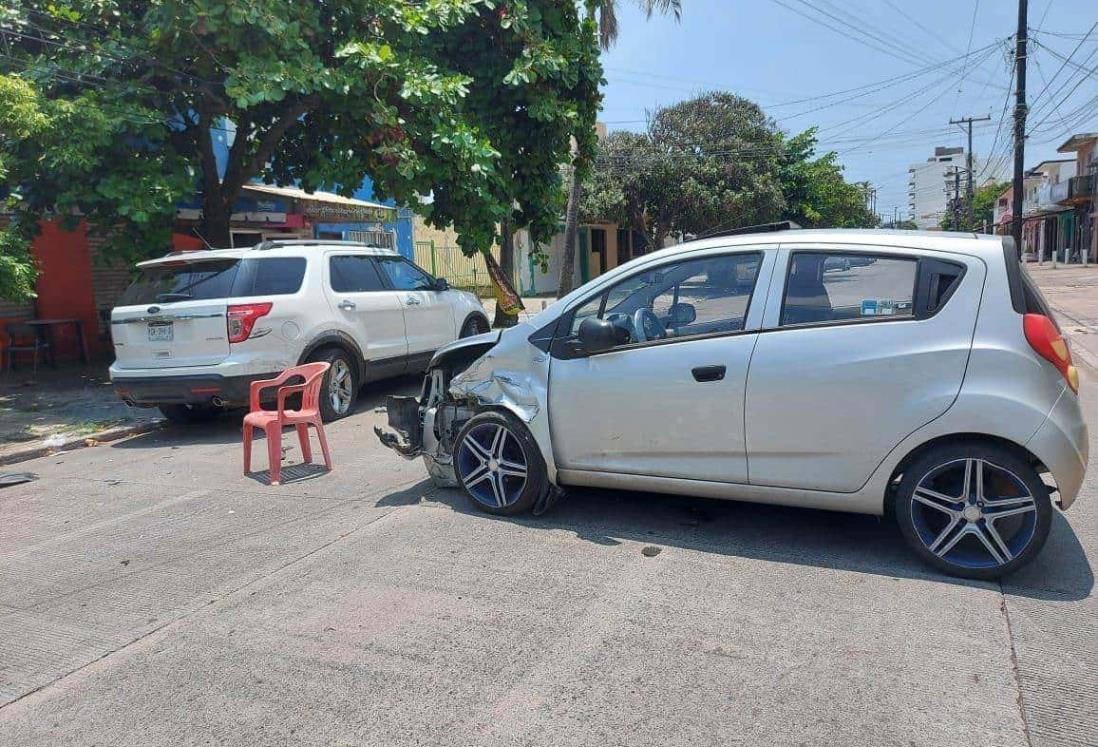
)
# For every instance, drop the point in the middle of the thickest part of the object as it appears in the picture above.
(274, 243)
(782, 225)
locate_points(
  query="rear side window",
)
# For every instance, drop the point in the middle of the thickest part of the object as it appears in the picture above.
(273, 276)
(182, 281)
(823, 287)
(354, 273)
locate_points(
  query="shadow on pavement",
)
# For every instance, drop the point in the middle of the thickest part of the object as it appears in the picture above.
(825, 539)
(226, 429)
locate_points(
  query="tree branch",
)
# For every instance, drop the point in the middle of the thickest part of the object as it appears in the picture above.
(239, 172)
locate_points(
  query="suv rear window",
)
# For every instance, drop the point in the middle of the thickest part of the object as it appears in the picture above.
(212, 279)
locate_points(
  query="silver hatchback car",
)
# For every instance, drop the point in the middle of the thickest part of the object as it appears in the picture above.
(863, 371)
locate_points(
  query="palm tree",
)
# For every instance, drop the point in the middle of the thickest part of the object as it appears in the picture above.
(606, 10)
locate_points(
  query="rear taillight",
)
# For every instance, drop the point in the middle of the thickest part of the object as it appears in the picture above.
(1046, 340)
(240, 319)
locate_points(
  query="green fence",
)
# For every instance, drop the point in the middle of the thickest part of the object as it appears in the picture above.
(467, 273)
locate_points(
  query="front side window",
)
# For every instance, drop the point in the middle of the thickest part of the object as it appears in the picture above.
(825, 287)
(404, 275)
(702, 296)
(354, 273)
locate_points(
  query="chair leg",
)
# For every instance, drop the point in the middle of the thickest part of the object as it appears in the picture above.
(274, 451)
(324, 445)
(303, 437)
(247, 448)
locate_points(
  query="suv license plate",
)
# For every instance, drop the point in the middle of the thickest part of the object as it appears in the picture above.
(160, 332)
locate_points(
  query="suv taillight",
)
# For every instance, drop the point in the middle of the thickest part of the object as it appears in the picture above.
(240, 319)
(1046, 340)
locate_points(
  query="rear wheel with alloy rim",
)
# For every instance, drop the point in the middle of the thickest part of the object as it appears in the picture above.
(974, 510)
(498, 463)
(341, 384)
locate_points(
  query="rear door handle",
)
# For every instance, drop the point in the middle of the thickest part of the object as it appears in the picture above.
(411, 301)
(708, 373)
(346, 304)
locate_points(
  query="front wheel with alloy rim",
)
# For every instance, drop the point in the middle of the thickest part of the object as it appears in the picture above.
(974, 510)
(474, 325)
(498, 464)
(340, 388)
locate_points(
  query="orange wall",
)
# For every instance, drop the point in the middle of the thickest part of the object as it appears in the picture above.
(64, 285)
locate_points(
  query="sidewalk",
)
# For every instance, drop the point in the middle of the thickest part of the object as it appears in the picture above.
(1072, 291)
(533, 306)
(55, 407)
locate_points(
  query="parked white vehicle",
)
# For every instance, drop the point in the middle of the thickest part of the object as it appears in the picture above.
(195, 329)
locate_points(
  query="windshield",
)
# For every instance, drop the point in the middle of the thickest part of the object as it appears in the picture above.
(182, 281)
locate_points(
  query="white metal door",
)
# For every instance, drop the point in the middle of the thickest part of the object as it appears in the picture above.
(366, 305)
(428, 313)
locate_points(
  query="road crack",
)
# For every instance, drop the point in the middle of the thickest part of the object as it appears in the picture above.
(1015, 668)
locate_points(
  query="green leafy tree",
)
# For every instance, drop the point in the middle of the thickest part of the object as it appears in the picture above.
(606, 11)
(717, 162)
(474, 102)
(815, 192)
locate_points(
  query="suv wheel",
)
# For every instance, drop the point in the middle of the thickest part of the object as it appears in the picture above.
(499, 464)
(474, 325)
(189, 414)
(340, 388)
(974, 510)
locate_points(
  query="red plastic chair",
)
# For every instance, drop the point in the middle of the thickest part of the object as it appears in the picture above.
(272, 421)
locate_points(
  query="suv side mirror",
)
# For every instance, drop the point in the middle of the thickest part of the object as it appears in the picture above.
(441, 284)
(599, 335)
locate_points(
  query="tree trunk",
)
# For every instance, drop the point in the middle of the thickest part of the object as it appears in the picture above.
(571, 229)
(507, 265)
(215, 221)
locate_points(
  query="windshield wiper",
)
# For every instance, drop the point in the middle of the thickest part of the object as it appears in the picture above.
(174, 297)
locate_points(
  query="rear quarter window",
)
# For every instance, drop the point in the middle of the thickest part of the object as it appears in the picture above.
(270, 276)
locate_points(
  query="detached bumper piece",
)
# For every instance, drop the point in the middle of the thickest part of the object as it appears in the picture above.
(406, 421)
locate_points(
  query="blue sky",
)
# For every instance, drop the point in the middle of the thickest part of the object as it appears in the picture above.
(767, 51)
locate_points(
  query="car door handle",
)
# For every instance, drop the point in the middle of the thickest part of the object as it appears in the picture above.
(708, 373)
(347, 305)
(411, 301)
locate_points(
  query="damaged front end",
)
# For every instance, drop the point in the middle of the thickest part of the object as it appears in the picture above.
(507, 372)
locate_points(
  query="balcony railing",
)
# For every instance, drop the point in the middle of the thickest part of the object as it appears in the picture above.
(1080, 189)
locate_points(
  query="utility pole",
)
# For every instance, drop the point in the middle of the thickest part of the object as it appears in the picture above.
(968, 121)
(953, 203)
(1019, 120)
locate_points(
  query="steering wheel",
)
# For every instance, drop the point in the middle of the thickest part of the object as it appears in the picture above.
(647, 325)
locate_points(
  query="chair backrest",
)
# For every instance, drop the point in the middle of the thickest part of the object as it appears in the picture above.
(19, 331)
(313, 373)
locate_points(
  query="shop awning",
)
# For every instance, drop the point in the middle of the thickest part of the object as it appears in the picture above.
(328, 206)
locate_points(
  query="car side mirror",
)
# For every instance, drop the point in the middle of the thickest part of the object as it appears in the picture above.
(682, 314)
(599, 335)
(441, 284)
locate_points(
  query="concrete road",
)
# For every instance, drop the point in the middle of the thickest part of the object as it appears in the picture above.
(150, 594)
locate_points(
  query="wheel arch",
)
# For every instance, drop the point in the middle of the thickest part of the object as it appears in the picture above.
(338, 340)
(955, 438)
(475, 315)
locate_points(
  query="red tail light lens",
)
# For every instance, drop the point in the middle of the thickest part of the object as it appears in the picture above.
(1046, 340)
(240, 319)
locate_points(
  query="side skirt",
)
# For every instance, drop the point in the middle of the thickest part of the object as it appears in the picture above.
(851, 502)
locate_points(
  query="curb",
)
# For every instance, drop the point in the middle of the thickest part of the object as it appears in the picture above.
(36, 450)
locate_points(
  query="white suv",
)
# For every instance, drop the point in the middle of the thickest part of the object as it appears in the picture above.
(194, 329)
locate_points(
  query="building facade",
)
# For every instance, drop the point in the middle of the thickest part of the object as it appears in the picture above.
(931, 183)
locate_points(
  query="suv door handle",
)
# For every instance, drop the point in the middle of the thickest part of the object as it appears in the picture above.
(346, 304)
(708, 373)
(411, 301)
